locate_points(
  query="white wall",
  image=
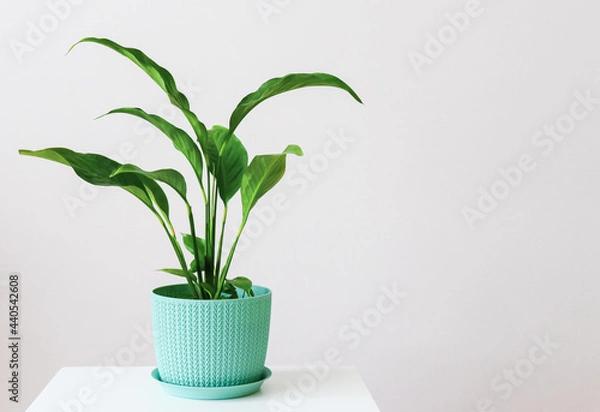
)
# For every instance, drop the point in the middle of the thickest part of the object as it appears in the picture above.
(388, 211)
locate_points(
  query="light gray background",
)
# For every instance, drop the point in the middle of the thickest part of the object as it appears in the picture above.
(388, 210)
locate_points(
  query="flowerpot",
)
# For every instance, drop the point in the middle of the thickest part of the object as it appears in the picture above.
(210, 343)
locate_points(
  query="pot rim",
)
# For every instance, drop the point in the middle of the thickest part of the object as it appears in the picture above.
(264, 293)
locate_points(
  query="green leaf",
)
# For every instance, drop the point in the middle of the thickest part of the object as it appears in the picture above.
(293, 149)
(183, 274)
(160, 75)
(194, 266)
(98, 170)
(208, 288)
(181, 140)
(214, 145)
(156, 194)
(176, 272)
(229, 161)
(262, 175)
(243, 283)
(169, 176)
(188, 242)
(198, 127)
(284, 84)
(229, 291)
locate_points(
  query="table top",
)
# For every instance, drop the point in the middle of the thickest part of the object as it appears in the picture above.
(95, 389)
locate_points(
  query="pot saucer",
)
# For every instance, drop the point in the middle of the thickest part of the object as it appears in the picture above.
(215, 393)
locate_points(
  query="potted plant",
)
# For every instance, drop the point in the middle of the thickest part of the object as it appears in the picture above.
(211, 332)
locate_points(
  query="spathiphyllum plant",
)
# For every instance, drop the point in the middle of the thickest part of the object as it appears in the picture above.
(220, 164)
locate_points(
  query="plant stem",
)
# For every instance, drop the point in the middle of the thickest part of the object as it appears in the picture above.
(208, 268)
(181, 259)
(178, 251)
(223, 274)
(213, 226)
(196, 254)
(217, 271)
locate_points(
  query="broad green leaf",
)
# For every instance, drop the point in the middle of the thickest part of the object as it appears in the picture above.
(97, 170)
(284, 84)
(160, 75)
(229, 161)
(188, 242)
(243, 283)
(169, 176)
(181, 140)
(261, 175)
(214, 145)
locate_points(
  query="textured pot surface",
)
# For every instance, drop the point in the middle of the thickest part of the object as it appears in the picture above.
(210, 343)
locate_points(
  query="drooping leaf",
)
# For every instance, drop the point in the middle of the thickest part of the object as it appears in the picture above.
(160, 75)
(262, 174)
(97, 170)
(243, 283)
(228, 160)
(169, 176)
(182, 273)
(176, 272)
(181, 140)
(279, 85)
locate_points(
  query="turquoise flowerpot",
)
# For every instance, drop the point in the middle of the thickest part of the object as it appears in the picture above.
(210, 343)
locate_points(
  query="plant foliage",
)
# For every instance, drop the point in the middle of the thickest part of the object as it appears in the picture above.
(219, 161)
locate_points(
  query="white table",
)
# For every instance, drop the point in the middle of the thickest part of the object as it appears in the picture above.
(290, 389)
